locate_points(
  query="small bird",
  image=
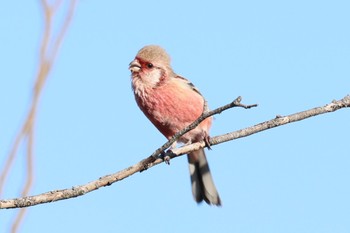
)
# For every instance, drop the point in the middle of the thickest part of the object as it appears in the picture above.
(171, 103)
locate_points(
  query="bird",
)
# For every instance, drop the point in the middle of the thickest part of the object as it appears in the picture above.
(171, 103)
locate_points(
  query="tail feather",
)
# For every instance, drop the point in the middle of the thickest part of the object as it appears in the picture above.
(203, 187)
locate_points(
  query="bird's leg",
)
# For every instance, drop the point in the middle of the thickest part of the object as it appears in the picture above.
(207, 141)
(166, 156)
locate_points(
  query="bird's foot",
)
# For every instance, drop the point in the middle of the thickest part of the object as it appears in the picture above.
(166, 156)
(207, 141)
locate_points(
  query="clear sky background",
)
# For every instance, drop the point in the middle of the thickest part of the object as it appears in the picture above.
(287, 56)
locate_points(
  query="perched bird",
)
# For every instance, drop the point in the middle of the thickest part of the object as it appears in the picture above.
(171, 103)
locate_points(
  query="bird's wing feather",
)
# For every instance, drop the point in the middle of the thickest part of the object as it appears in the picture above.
(191, 85)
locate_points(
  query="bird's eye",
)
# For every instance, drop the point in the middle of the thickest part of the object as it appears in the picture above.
(149, 65)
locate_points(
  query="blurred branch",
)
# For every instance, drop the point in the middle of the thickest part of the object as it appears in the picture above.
(107, 180)
(49, 47)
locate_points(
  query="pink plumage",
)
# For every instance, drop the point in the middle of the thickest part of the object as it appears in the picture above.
(171, 103)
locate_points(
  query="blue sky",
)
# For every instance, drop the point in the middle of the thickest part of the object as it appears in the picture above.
(287, 56)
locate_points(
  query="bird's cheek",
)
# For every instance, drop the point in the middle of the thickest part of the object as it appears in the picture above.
(152, 77)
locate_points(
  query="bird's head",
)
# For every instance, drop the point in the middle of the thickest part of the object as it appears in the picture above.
(150, 67)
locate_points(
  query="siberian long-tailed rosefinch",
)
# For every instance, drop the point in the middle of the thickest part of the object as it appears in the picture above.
(171, 103)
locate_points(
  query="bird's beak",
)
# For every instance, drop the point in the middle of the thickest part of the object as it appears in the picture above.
(134, 66)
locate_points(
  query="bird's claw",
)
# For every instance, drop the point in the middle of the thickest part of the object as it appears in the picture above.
(166, 156)
(207, 142)
(167, 159)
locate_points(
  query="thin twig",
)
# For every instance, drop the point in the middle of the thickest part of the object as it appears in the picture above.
(107, 180)
(205, 114)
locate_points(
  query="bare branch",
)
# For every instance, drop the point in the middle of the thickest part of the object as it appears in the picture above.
(107, 180)
(205, 114)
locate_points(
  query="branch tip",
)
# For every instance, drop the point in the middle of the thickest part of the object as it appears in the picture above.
(237, 101)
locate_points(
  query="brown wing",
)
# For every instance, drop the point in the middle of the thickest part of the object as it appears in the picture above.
(193, 87)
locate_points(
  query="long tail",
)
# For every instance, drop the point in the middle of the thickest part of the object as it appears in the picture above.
(203, 187)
